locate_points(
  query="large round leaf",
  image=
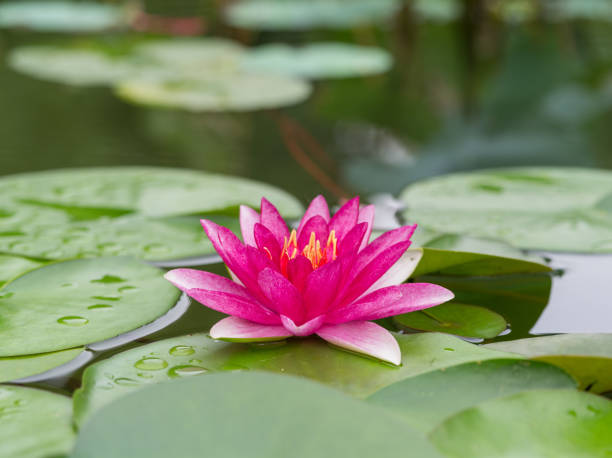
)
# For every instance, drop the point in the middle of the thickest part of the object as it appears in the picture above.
(318, 60)
(35, 423)
(12, 266)
(428, 399)
(246, 415)
(73, 303)
(16, 367)
(536, 208)
(588, 357)
(458, 319)
(312, 358)
(537, 424)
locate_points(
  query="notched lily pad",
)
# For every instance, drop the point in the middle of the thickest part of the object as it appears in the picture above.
(74, 303)
(17, 367)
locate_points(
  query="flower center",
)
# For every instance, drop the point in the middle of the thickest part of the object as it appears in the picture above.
(314, 251)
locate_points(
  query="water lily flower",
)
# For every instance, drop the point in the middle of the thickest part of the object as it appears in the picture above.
(323, 278)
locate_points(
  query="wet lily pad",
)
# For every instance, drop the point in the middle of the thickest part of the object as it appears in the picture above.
(35, 423)
(17, 367)
(318, 60)
(588, 357)
(534, 208)
(205, 413)
(309, 14)
(59, 16)
(232, 92)
(458, 319)
(539, 423)
(12, 266)
(73, 303)
(311, 358)
(428, 399)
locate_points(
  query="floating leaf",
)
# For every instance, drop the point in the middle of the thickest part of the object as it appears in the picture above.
(73, 303)
(35, 423)
(17, 367)
(12, 266)
(458, 319)
(318, 60)
(535, 208)
(206, 413)
(312, 358)
(428, 399)
(588, 357)
(539, 423)
(438, 10)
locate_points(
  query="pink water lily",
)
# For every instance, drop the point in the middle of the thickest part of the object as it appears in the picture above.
(324, 278)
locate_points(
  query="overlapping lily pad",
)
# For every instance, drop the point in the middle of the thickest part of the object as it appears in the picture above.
(312, 358)
(16, 367)
(73, 303)
(35, 423)
(12, 266)
(539, 423)
(588, 357)
(318, 60)
(245, 414)
(535, 208)
(428, 399)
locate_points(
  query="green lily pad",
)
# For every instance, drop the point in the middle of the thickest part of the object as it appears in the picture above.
(12, 266)
(206, 413)
(311, 358)
(588, 357)
(232, 92)
(59, 16)
(428, 399)
(309, 14)
(438, 10)
(17, 367)
(591, 10)
(535, 208)
(74, 303)
(35, 423)
(537, 424)
(318, 60)
(458, 319)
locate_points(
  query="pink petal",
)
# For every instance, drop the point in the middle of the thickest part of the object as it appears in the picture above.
(318, 207)
(306, 329)
(236, 329)
(248, 219)
(186, 279)
(399, 272)
(232, 304)
(345, 218)
(353, 240)
(321, 288)
(281, 294)
(380, 244)
(298, 270)
(266, 242)
(391, 301)
(363, 337)
(317, 225)
(366, 215)
(271, 218)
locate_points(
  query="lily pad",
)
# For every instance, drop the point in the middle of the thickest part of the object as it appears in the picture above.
(588, 357)
(205, 413)
(458, 319)
(74, 303)
(59, 16)
(311, 358)
(17, 367)
(591, 10)
(309, 14)
(438, 10)
(426, 400)
(538, 424)
(232, 92)
(12, 266)
(35, 423)
(535, 208)
(318, 60)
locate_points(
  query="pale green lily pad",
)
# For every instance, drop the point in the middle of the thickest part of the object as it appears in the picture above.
(59, 16)
(588, 357)
(231, 92)
(245, 414)
(458, 319)
(438, 10)
(428, 399)
(318, 60)
(309, 14)
(311, 358)
(16, 367)
(537, 424)
(535, 208)
(35, 423)
(74, 303)
(593, 10)
(13, 266)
